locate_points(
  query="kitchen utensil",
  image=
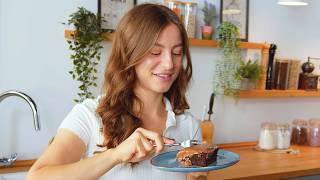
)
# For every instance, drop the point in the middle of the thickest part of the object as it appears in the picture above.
(211, 106)
(186, 143)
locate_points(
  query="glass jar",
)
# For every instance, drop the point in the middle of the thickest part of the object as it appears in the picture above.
(314, 132)
(268, 136)
(175, 6)
(299, 134)
(283, 134)
(189, 18)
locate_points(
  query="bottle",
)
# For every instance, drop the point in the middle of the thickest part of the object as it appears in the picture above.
(314, 125)
(268, 136)
(283, 133)
(175, 6)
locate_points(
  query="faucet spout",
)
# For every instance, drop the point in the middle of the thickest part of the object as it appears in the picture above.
(29, 100)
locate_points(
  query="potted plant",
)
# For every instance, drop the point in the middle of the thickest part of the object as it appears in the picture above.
(226, 66)
(209, 14)
(86, 50)
(248, 73)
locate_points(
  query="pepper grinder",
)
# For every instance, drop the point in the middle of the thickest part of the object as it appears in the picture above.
(307, 80)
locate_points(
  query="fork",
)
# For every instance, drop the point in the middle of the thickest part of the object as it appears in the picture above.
(185, 144)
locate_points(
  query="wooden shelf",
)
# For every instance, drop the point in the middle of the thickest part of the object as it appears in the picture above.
(69, 34)
(264, 47)
(278, 93)
(215, 44)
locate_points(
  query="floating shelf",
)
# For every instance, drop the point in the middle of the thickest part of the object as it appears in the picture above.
(278, 93)
(264, 47)
(69, 34)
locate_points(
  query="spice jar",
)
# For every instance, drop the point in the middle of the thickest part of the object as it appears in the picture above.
(314, 132)
(268, 136)
(189, 18)
(283, 136)
(175, 6)
(299, 134)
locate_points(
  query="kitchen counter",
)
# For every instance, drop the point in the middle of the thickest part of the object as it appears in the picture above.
(253, 164)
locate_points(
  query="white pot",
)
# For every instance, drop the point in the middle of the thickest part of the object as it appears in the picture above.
(246, 84)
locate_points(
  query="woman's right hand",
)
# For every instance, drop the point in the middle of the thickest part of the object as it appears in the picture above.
(140, 145)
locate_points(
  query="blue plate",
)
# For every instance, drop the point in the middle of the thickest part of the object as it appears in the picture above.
(167, 162)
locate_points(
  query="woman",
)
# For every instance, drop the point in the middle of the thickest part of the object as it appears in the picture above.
(143, 107)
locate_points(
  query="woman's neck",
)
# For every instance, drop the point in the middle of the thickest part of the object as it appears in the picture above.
(152, 103)
(153, 114)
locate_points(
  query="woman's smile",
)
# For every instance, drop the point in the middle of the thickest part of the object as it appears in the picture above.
(163, 76)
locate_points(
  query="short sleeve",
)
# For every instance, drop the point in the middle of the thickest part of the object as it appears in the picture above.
(80, 121)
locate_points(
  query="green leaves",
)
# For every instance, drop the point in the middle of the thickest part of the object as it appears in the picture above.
(228, 35)
(86, 50)
(209, 13)
(249, 69)
(226, 67)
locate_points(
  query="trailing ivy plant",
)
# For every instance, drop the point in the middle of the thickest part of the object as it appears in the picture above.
(225, 81)
(86, 50)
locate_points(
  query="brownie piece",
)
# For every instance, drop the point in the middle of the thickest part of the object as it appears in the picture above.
(199, 155)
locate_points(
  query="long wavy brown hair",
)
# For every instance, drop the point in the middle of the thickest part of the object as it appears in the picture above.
(136, 34)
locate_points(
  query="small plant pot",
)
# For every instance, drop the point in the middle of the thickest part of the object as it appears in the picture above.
(247, 84)
(207, 32)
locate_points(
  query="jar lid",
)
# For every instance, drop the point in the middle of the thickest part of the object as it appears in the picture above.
(283, 125)
(190, 3)
(314, 122)
(300, 122)
(268, 125)
(173, 1)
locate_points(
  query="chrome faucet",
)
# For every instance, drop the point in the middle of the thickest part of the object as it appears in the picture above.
(33, 106)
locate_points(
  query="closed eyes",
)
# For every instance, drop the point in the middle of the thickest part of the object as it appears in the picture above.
(159, 53)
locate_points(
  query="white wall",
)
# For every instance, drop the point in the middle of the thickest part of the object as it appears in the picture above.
(34, 59)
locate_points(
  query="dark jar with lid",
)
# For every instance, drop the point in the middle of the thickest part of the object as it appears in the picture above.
(299, 134)
(314, 125)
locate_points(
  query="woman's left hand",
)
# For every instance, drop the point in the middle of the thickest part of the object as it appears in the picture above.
(197, 176)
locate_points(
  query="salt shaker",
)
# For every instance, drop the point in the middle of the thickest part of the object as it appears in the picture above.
(283, 136)
(268, 136)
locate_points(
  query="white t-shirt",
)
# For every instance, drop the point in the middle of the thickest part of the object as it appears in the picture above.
(86, 124)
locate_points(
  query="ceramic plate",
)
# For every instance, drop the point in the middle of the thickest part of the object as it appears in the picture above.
(167, 162)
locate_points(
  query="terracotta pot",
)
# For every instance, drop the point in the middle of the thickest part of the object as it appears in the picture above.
(207, 32)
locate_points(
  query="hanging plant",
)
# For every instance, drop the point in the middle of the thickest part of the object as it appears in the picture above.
(226, 67)
(86, 50)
